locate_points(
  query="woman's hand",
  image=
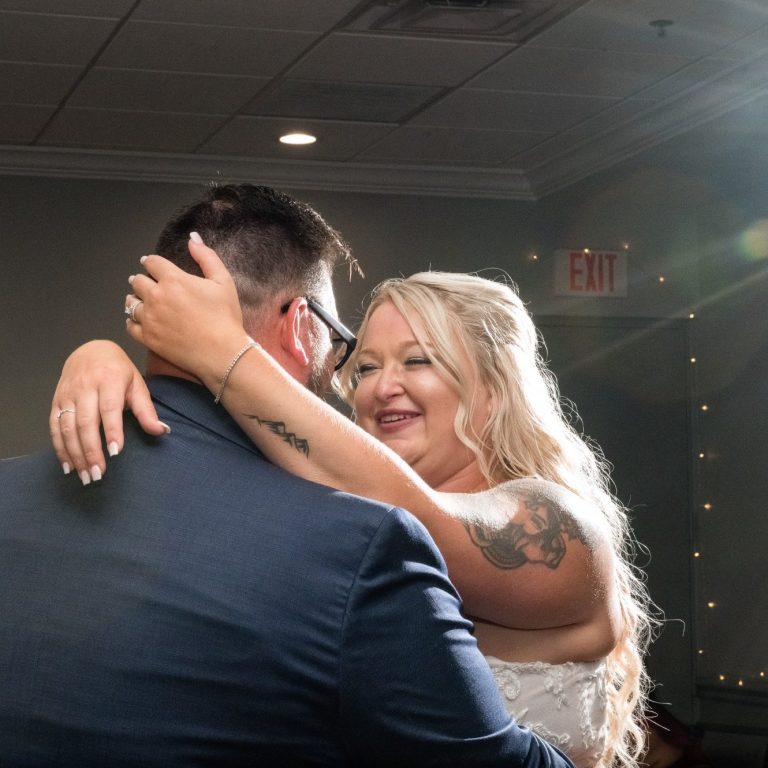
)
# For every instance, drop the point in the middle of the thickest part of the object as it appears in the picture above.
(98, 381)
(187, 320)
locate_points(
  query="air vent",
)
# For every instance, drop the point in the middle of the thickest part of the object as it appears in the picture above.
(507, 20)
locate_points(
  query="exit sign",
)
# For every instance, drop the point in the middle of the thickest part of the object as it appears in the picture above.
(585, 272)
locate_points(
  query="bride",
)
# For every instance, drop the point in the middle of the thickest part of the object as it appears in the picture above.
(458, 420)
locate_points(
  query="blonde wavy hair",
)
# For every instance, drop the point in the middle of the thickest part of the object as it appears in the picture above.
(469, 320)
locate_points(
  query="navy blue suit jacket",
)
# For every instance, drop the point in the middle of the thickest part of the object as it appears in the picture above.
(201, 607)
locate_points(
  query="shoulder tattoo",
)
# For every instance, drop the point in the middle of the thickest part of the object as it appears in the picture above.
(278, 428)
(539, 533)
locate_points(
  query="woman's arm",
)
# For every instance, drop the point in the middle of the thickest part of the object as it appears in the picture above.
(534, 561)
(504, 574)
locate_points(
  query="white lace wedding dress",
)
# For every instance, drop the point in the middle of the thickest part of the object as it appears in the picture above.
(563, 703)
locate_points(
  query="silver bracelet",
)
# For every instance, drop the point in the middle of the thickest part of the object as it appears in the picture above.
(250, 345)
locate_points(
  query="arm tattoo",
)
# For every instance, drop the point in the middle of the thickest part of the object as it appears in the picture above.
(537, 535)
(278, 428)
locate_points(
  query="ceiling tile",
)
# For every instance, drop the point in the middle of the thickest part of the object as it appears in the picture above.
(728, 141)
(193, 48)
(450, 147)
(687, 78)
(573, 71)
(21, 124)
(747, 47)
(700, 27)
(164, 91)
(546, 151)
(51, 39)
(129, 130)
(42, 84)
(341, 101)
(258, 137)
(112, 9)
(618, 114)
(308, 15)
(608, 119)
(493, 110)
(403, 61)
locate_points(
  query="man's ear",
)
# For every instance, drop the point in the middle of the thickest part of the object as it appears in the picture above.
(295, 333)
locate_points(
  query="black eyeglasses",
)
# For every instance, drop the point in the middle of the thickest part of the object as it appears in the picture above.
(343, 340)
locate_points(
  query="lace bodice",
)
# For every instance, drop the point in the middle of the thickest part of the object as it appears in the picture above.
(563, 703)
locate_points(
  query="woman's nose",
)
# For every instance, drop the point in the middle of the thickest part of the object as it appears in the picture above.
(389, 382)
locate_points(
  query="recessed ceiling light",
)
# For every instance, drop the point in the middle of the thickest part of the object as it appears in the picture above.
(298, 138)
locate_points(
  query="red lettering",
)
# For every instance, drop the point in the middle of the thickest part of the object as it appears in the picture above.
(600, 284)
(574, 271)
(592, 272)
(611, 257)
(590, 259)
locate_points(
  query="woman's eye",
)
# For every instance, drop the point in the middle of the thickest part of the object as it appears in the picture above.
(418, 361)
(364, 368)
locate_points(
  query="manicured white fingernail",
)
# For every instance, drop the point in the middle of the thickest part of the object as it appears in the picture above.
(113, 449)
(143, 259)
(67, 469)
(95, 472)
(130, 279)
(165, 427)
(85, 478)
(195, 238)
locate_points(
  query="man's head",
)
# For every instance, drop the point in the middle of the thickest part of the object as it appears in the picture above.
(279, 252)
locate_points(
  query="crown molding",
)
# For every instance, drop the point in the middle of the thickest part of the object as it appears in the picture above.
(329, 176)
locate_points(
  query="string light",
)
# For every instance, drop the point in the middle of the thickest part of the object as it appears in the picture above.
(662, 279)
(740, 678)
(697, 553)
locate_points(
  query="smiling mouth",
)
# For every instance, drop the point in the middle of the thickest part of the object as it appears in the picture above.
(394, 421)
(393, 417)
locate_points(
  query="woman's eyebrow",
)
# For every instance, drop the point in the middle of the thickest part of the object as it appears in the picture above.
(400, 347)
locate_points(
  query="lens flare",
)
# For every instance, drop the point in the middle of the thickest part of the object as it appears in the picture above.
(754, 241)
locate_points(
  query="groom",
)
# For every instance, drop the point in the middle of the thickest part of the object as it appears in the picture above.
(199, 606)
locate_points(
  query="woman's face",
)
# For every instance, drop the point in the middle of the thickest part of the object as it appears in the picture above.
(403, 401)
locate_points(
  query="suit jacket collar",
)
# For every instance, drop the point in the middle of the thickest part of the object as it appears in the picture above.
(194, 402)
